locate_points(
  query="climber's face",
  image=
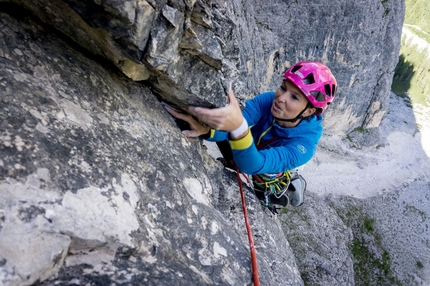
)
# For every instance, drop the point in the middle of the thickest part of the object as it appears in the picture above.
(289, 102)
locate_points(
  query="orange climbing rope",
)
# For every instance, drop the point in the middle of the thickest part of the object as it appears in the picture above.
(248, 229)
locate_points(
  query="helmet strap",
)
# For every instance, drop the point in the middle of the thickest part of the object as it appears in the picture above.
(298, 117)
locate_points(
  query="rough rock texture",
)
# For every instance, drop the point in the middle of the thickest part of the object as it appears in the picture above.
(320, 240)
(99, 186)
(189, 50)
(391, 235)
(382, 195)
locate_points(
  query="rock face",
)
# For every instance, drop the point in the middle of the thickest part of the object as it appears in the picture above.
(189, 50)
(320, 240)
(97, 184)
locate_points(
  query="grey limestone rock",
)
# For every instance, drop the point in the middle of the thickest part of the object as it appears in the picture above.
(320, 240)
(98, 185)
(190, 50)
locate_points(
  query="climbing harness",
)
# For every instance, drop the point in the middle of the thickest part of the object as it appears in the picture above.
(273, 190)
(254, 264)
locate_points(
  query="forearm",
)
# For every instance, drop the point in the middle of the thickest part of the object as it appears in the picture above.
(246, 155)
(274, 160)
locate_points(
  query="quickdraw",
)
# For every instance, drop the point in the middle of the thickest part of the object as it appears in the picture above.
(272, 186)
(276, 185)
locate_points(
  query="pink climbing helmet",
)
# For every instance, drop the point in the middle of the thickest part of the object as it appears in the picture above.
(316, 81)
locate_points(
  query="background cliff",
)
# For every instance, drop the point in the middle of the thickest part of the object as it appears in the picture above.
(99, 186)
(412, 74)
(189, 50)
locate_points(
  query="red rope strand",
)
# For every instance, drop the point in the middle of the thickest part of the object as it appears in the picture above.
(248, 229)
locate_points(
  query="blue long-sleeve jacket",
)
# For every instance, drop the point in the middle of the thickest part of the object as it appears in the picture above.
(294, 147)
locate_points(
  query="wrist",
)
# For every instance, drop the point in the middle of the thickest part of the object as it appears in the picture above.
(240, 131)
(206, 135)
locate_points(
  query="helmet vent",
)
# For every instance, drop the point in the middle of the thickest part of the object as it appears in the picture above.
(296, 68)
(309, 79)
(327, 90)
(319, 96)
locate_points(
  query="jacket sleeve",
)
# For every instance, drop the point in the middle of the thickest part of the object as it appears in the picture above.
(256, 107)
(215, 136)
(273, 160)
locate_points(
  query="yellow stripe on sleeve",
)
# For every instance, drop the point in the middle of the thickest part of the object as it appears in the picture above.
(211, 135)
(242, 143)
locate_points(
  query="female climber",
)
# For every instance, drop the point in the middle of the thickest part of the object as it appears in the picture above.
(274, 134)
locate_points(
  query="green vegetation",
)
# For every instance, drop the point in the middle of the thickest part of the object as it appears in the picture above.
(371, 268)
(368, 224)
(352, 136)
(412, 76)
(361, 129)
(417, 13)
(412, 73)
(387, 11)
(419, 32)
(372, 262)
